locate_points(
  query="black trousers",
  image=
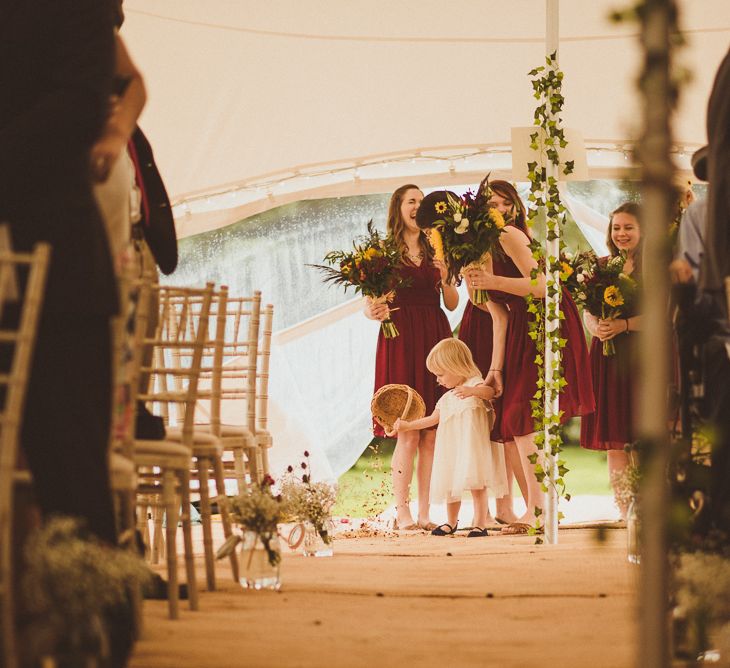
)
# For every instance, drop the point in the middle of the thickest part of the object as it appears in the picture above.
(717, 412)
(67, 417)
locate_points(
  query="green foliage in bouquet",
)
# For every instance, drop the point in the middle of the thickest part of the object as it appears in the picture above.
(70, 581)
(308, 501)
(575, 270)
(372, 268)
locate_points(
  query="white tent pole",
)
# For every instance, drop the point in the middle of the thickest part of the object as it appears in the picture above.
(552, 358)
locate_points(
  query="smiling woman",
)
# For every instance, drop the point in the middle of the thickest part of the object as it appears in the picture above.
(610, 428)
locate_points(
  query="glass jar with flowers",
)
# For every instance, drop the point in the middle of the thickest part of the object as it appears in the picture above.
(309, 503)
(258, 513)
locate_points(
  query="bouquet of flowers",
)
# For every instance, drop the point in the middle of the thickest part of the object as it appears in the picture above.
(465, 232)
(575, 270)
(308, 501)
(259, 512)
(371, 268)
(609, 293)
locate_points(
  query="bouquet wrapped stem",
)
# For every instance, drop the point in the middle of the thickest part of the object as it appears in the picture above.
(390, 331)
(478, 295)
(609, 347)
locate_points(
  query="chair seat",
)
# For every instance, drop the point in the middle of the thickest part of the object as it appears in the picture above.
(161, 453)
(204, 444)
(239, 434)
(122, 472)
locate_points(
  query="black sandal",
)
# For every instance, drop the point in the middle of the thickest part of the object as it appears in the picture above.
(444, 530)
(477, 532)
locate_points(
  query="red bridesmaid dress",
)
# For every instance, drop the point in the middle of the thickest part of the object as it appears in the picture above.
(477, 333)
(421, 325)
(520, 372)
(611, 426)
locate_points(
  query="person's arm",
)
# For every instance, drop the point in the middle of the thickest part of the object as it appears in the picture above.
(482, 391)
(451, 294)
(494, 376)
(411, 425)
(515, 244)
(591, 323)
(123, 116)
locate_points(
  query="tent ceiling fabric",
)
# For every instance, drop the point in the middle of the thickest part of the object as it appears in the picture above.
(239, 88)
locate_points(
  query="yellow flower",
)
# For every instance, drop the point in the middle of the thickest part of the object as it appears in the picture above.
(567, 270)
(370, 253)
(440, 207)
(497, 218)
(437, 243)
(612, 296)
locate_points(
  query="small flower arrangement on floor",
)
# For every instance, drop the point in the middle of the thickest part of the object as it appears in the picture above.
(70, 584)
(308, 501)
(260, 511)
(465, 232)
(609, 292)
(372, 268)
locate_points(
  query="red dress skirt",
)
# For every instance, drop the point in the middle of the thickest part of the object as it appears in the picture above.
(520, 372)
(611, 426)
(477, 332)
(421, 325)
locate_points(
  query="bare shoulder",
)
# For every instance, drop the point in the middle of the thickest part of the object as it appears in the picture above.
(513, 235)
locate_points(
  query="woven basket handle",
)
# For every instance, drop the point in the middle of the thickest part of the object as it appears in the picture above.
(409, 401)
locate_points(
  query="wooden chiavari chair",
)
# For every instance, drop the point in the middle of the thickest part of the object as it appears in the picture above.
(19, 342)
(164, 465)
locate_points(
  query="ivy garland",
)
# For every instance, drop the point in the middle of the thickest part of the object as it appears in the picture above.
(544, 197)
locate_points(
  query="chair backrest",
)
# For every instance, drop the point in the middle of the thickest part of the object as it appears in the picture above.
(179, 344)
(231, 357)
(17, 340)
(264, 352)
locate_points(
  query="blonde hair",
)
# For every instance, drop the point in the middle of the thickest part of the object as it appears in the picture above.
(453, 356)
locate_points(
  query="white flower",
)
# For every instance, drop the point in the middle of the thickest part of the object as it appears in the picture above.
(463, 227)
(580, 278)
(457, 217)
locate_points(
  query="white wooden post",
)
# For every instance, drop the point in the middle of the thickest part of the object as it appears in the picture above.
(552, 359)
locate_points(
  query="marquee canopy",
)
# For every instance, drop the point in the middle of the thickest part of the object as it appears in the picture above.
(253, 104)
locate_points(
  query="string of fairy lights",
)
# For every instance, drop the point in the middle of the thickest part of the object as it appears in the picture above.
(450, 161)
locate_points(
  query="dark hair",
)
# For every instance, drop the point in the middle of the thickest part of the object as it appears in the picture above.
(633, 209)
(395, 225)
(506, 190)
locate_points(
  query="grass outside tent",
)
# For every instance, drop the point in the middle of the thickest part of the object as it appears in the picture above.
(365, 490)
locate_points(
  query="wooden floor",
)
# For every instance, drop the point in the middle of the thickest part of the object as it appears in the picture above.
(416, 600)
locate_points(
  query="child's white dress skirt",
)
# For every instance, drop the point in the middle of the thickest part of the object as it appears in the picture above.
(465, 457)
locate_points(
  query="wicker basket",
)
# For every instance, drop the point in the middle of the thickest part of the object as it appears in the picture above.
(391, 402)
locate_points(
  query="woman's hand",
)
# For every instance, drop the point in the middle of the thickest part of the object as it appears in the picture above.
(376, 310)
(609, 328)
(462, 391)
(494, 380)
(480, 279)
(443, 270)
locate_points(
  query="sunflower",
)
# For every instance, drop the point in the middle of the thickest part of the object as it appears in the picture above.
(566, 272)
(612, 296)
(497, 218)
(440, 207)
